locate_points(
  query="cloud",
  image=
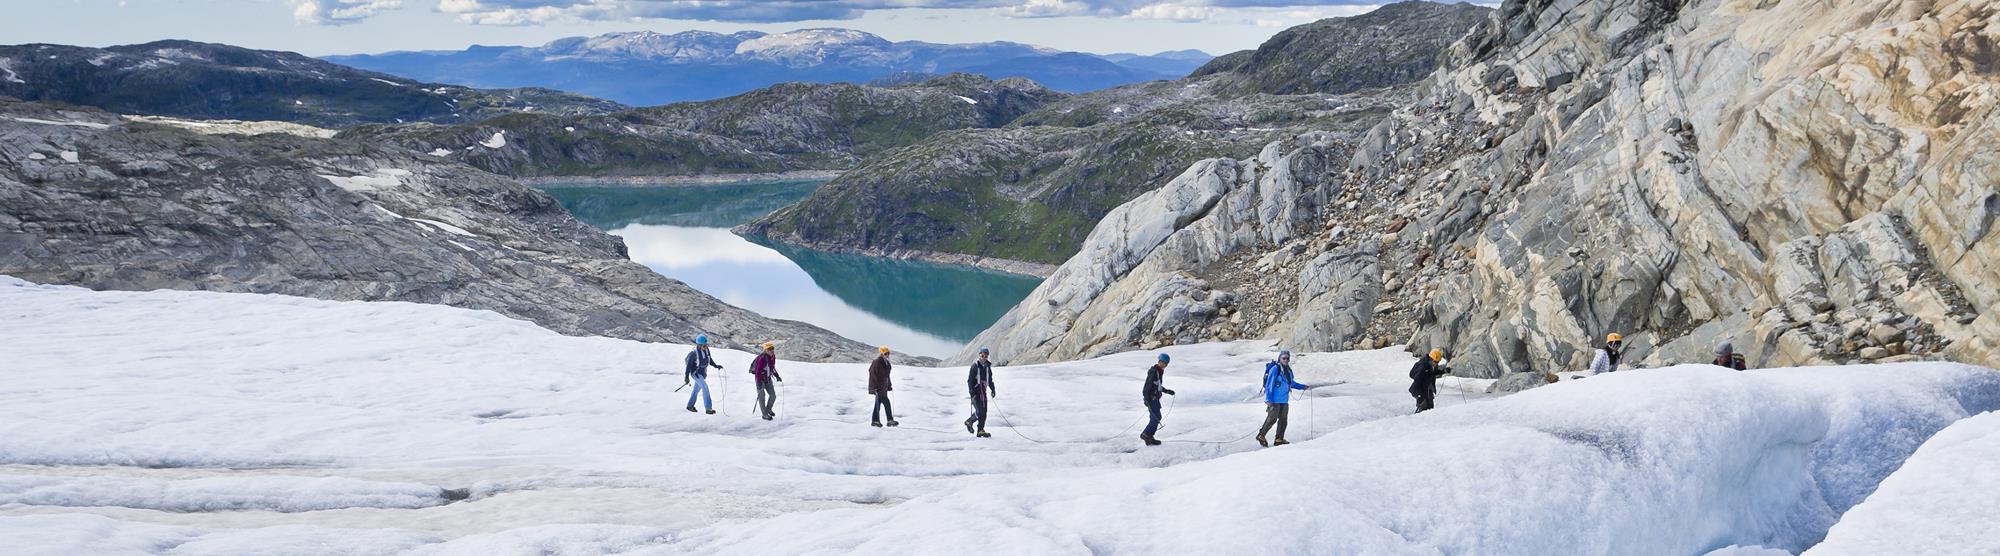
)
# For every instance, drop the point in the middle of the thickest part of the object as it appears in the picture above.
(1173, 12)
(535, 12)
(338, 12)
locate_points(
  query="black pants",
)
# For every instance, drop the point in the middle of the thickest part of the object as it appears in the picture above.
(1426, 401)
(978, 410)
(1152, 418)
(1276, 413)
(881, 407)
(767, 395)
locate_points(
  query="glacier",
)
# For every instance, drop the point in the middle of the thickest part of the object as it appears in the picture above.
(173, 422)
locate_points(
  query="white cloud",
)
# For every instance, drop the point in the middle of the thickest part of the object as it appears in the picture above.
(338, 12)
(1173, 12)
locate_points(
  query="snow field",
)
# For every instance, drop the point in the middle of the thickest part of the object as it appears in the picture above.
(205, 423)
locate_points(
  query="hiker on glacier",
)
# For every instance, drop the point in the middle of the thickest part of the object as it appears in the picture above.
(765, 369)
(1278, 386)
(1156, 376)
(1726, 357)
(696, 373)
(1606, 360)
(878, 386)
(1423, 378)
(980, 380)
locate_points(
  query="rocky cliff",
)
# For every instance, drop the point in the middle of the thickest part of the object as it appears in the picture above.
(1032, 191)
(213, 81)
(788, 127)
(91, 199)
(1814, 182)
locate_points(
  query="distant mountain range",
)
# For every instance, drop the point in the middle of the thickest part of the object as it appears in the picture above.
(647, 68)
(209, 81)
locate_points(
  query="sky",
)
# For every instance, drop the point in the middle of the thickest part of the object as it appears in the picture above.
(324, 27)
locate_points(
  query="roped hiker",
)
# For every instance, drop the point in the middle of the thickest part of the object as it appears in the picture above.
(1726, 357)
(765, 369)
(878, 385)
(698, 363)
(1607, 357)
(1278, 387)
(980, 380)
(1423, 378)
(1156, 376)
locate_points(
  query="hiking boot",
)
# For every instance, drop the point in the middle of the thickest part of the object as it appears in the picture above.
(711, 412)
(691, 409)
(1148, 440)
(982, 434)
(875, 423)
(892, 422)
(968, 426)
(1262, 442)
(768, 416)
(1280, 442)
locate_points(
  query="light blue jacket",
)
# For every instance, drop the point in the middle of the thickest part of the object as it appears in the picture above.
(1278, 383)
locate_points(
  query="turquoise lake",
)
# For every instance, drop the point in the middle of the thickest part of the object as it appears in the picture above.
(682, 232)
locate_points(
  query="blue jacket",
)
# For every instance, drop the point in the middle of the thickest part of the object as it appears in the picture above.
(1278, 383)
(698, 362)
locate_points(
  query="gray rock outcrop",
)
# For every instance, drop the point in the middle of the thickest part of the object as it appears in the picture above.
(1814, 183)
(91, 199)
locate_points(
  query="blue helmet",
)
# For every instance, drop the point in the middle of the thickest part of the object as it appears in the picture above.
(1283, 353)
(984, 350)
(1164, 358)
(701, 340)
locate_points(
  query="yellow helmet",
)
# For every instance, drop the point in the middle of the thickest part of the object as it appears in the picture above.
(1614, 337)
(884, 350)
(768, 346)
(1437, 354)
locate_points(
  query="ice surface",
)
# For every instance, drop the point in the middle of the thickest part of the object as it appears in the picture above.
(7, 72)
(386, 178)
(70, 157)
(968, 100)
(1944, 500)
(196, 422)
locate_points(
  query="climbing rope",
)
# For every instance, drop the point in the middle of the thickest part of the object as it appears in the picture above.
(1017, 430)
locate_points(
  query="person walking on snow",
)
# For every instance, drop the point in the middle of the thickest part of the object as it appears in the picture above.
(696, 373)
(1423, 379)
(980, 381)
(765, 368)
(1606, 360)
(878, 385)
(1156, 376)
(1726, 357)
(1278, 387)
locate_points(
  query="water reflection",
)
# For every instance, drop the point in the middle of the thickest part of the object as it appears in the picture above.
(682, 232)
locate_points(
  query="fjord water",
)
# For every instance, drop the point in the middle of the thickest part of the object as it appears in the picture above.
(682, 232)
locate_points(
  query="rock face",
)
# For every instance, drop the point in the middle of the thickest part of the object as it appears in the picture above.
(1397, 43)
(1032, 191)
(789, 127)
(1806, 181)
(90, 199)
(212, 81)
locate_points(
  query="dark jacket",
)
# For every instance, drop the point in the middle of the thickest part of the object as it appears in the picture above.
(1424, 377)
(698, 363)
(765, 364)
(1155, 384)
(878, 376)
(1731, 361)
(980, 377)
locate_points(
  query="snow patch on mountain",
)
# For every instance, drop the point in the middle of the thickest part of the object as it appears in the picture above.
(498, 140)
(7, 72)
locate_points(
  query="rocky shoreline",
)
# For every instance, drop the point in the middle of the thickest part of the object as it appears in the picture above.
(682, 180)
(989, 264)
